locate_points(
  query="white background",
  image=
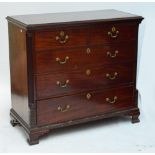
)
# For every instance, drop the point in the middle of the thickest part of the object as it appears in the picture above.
(111, 135)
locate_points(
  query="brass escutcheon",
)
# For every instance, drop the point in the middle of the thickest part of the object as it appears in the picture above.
(88, 51)
(88, 72)
(88, 96)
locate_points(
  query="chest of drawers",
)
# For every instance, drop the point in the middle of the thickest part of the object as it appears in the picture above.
(71, 68)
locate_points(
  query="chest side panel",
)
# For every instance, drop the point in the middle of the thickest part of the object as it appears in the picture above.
(18, 71)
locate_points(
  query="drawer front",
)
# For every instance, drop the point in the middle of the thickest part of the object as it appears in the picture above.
(84, 105)
(112, 33)
(60, 38)
(88, 78)
(73, 59)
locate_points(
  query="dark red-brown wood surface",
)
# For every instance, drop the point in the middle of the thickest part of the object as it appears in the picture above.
(99, 33)
(45, 40)
(38, 99)
(80, 81)
(84, 56)
(78, 36)
(42, 21)
(81, 107)
(18, 71)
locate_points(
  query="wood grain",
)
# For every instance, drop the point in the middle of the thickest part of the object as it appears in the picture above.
(99, 33)
(81, 107)
(45, 40)
(18, 71)
(79, 57)
(79, 81)
(40, 21)
(41, 100)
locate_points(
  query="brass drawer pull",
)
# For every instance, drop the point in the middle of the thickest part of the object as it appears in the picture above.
(88, 96)
(62, 85)
(112, 55)
(88, 51)
(111, 101)
(67, 107)
(62, 38)
(112, 77)
(62, 62)
(114, 33)
(88, 72)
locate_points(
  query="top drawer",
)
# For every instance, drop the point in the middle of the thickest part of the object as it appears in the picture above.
(61, 38)
(112, 33)
(95, 34)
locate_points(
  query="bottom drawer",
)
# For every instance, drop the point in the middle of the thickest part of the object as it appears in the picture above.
(83, 105)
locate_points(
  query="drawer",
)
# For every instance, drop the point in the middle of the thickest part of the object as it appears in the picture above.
(87, 104)
(60, 38)
(74, 59)
(57, 84)
(112, 33)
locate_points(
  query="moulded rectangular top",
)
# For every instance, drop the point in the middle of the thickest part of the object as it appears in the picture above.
(33, 21)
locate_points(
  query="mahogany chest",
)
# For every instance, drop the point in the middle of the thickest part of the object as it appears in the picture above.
(71, 68)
